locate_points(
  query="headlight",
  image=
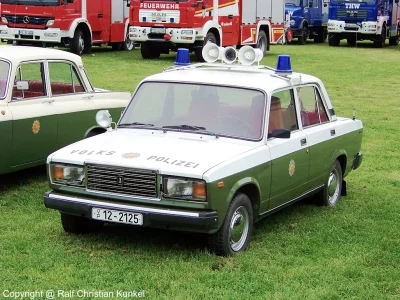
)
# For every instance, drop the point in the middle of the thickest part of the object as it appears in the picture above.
(50, 23)
(187, 32)
(67, 174)
(292, 22)
(4, 20)
(187, 189)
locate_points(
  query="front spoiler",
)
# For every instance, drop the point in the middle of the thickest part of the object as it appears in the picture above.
(152, 217)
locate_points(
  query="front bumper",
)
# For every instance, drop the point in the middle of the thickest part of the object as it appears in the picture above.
(360, 28)
(50, 35)
(157, 34)
(152, 217)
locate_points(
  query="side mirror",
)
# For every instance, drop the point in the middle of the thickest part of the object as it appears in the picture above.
(128, 3)
(22, 85)
(103, 118)
(280, 133)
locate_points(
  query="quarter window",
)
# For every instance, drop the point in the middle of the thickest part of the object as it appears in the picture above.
(64, 79)
(282, 113)
(312, 110)
(30, 81)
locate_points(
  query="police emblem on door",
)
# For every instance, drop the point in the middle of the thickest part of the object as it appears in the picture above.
(292, 167)
(36, 127)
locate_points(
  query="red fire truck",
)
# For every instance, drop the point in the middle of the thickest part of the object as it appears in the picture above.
(164, 25)
(77, 24)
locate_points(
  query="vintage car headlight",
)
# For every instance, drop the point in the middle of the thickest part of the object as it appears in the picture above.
(67, 174)
(187, 189)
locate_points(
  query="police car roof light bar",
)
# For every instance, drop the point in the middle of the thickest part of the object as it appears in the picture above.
(182, 57)
(283, 66)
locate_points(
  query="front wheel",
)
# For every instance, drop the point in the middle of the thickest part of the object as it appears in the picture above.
(333, 39)
(303, 38)
(235, 232)
(381, 39)
(128, 45)
(149, 51)
(262, 42)
(352, 42)
(78, 42)
(332, 191)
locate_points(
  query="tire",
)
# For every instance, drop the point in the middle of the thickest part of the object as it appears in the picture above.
(77, 44)
(381, 39)
(322, 35)
(304, 35)
(239, 223)
(333, 39)
(148, 51)
(352, 42)
(332, 191)
(210, 38)
(262, 42)
(75, 224)
(128, 45)
(394, 41)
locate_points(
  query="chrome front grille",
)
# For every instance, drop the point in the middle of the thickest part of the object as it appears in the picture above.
(123, 181)
(350, 13)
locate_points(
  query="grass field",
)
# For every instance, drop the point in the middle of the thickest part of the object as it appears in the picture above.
(304, 251)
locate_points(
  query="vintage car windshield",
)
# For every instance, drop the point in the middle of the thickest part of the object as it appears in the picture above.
(4, 71)
(224, 111)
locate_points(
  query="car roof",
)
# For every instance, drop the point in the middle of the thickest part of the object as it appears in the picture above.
(17, 54)
(257, 77)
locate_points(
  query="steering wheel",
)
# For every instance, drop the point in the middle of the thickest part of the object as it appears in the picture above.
(240, 124)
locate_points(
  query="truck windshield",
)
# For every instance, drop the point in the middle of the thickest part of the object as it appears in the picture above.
(213, 110)
(294, 2)
(364, 1)
(32, 2)
(4, 72)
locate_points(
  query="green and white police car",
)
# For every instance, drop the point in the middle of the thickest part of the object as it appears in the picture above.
(209, 148)
(46, 103)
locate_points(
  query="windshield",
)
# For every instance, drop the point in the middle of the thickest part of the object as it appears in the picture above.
(217, 110)
(294, 2)
(32, 2)
(4, 72)
(355, 1)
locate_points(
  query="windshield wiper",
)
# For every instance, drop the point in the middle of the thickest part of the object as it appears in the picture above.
(191, 127)
(134, 124)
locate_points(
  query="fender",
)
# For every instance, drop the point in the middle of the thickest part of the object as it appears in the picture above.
(302, 23)
(261, 23)
(75, 24)
(242, 182)
(209, 25)
(382, 20)
(94, 128)
(338, 153)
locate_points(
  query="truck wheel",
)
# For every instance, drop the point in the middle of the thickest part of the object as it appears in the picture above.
(304, 35)
(75, 224)
(210, 38)
(77, 44)
(381, 39)
(332, 191)
(352, 42)
(322, 35)
(333, 39)
(128, 45)
(394, 41)
(148, 51)
(262, 42)
(235, 232)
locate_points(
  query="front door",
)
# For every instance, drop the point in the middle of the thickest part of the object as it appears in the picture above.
(34, 125)
(95, 16)
(290, 157)
(314, 11)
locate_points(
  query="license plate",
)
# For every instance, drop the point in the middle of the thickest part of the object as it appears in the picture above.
(157, 30)
(117, 216)
(26, 32)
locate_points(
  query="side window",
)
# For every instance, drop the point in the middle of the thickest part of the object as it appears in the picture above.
(30, 81)
(64, 79)
(312, 110)
(282, 113)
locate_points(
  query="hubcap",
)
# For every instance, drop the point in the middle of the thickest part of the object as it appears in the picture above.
(239, 228)
(333, 187)
(81, 44)
(129, 44)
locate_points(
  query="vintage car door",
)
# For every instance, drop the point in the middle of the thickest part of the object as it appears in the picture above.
(290, 157)
(320, 133)
(34, 124)
(5, 118)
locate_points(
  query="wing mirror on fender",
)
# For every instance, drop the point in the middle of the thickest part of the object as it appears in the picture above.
(280, 133)
(103, 118)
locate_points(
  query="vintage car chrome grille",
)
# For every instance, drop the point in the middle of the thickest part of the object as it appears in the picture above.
(362, 13)
(123, 181)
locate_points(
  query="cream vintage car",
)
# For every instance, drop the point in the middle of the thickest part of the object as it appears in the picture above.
(46, 103)
(208, 148)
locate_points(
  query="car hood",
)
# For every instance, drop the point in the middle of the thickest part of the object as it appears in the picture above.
(294, 11)
(173, 153)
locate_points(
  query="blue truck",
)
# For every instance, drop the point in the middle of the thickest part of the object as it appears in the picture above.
(308, 20)
(373, 20)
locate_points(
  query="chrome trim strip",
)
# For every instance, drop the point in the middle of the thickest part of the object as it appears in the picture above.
(122, 206)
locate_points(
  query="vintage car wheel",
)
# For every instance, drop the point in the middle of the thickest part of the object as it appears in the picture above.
(75, 224)
(235, 232)
(332, 191)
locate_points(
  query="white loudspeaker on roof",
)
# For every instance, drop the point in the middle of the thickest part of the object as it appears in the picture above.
(247, 55)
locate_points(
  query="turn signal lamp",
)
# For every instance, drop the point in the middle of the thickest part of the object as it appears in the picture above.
(182, 57)
(284, 65)
(199, 190)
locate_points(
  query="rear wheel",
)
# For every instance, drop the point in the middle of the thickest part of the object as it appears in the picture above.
(394, 41)
(262, 42)
(332, 191)
(210, 38)
(235, 232)
(333, 39)
(149, 51)
(322, 35)
(75, 224)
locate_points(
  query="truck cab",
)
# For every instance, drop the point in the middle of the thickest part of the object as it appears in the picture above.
(308, 19)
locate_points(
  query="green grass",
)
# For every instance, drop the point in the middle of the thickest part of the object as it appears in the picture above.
(304, 251)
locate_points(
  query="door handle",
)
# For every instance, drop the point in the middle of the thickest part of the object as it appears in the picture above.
(48, 101)
(230, 16)
(100, 15)
(87, 97)
(303, 142)
(333, 132)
